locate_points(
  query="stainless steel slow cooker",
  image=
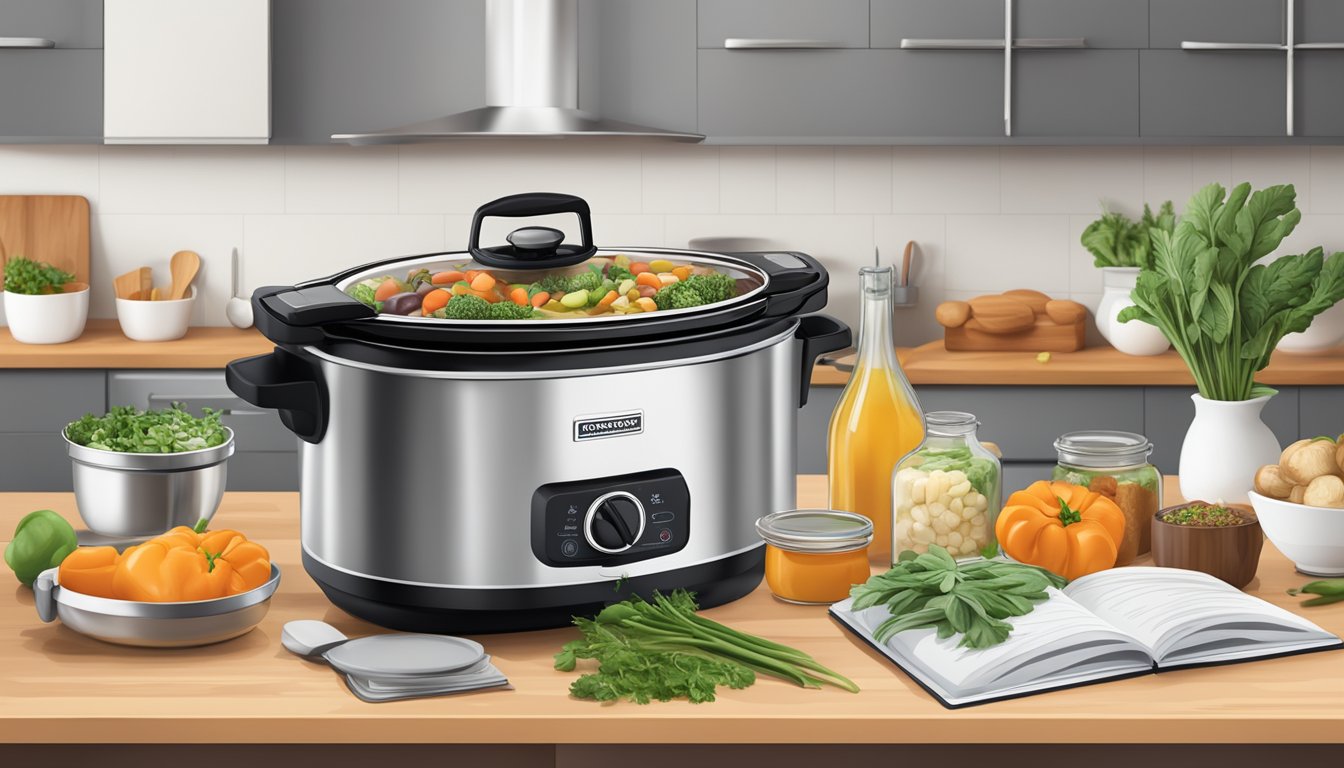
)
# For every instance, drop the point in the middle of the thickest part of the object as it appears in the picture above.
(477, 475)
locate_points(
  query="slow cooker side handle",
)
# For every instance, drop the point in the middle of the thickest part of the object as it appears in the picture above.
(286, 382)
(819, 334)
(797, 282)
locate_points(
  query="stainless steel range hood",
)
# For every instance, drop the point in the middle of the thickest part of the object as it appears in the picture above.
(531, 85)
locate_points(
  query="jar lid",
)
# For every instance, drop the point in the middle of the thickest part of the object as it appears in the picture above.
(815, 530)
(1103, 449)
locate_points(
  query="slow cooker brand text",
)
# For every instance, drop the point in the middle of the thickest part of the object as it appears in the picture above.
(608, 425)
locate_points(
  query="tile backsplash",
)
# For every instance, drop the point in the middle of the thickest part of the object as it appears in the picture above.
(986, 218)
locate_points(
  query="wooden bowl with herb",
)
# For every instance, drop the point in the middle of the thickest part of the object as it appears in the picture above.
(1222, 540)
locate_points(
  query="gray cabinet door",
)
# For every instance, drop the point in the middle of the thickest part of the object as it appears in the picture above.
(67, 23)
(841, 23)
(36, 407)
(1102, 23)
(1318, 101)
(1212, 93)
(341, 66)
(1215, 21)
(1071, 93)
(640, 65)
(1320, 411)
(51, 95)
(1320, 21)
(847, 95)
(893, 20)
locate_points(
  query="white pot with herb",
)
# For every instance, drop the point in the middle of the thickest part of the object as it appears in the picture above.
(1224, 313)
(1121, 247)
(43, 304)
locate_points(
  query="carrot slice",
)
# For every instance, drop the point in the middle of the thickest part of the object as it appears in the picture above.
(483, 281)
(541, 298)
(519, 296)
(386, 290)
(435, 300)
(650, 279)
(447, 277)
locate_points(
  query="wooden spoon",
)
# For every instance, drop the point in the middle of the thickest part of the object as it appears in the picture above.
(184, 266)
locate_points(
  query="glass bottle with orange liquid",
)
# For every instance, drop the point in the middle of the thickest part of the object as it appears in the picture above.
(877, 420)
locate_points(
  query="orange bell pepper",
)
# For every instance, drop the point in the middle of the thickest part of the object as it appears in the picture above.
(89, 570)
(1065, 529)
(181, 565)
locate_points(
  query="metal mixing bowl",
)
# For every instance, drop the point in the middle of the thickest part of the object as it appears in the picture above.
(144, 494)
(153, 625)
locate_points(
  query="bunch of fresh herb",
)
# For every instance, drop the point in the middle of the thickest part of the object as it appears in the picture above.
(33, 278)
(1114, 240)
(128, 430)
(663, 650)
(1223, 312)
(973, 599)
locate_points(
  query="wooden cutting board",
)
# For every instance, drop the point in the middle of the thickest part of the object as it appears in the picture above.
(50, 228)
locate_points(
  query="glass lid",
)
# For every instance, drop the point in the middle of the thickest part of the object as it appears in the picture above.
(537, 276)
(1103, 449)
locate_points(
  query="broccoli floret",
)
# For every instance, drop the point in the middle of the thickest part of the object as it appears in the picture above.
(507, 310)
(466, 308)
(713, 288)
(552, 284)
(362, 293)
(616, 273)
(695, 291)
(585, 281)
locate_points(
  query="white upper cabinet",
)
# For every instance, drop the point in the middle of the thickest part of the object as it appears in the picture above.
(186, 71)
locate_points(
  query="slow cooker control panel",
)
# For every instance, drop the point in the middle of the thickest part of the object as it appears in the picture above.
(611, 520)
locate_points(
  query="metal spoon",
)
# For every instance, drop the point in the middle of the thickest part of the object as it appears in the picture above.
(238, 309)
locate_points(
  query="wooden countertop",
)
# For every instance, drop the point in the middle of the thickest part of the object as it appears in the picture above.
(102, 345)
(1095, 366)
(60, 686)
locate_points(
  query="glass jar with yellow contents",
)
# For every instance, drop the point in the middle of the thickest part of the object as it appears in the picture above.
(814, 556)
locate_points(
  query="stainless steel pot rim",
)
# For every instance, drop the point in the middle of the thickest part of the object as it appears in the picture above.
(558, 373)
(716, 259)
(584, 575)
(107, 606)
(151, 462)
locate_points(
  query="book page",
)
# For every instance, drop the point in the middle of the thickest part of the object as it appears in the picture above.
(1056, 638)
(1168, 608)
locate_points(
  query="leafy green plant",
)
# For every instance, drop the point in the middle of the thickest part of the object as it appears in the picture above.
(1114, 240)
(931, 590)
(128, 430)
(663, 650)
(1223, 312)
(34, 278)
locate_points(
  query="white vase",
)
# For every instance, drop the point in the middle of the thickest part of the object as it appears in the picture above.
(1225, 445)
(1132, 338)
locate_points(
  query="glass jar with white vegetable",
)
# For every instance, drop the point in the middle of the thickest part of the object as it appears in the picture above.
(947, 492)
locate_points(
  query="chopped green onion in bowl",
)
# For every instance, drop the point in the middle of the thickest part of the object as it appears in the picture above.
(126, 429)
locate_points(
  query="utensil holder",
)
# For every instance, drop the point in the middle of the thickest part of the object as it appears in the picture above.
(904, 295)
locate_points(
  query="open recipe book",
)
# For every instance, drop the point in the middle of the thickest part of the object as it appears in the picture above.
(1108, 625)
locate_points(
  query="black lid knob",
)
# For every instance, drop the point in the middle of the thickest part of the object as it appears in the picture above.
(533, 247)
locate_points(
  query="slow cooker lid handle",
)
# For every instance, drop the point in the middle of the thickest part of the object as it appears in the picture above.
(533, 247)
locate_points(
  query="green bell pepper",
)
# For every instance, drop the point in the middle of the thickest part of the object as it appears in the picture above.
(41, 541)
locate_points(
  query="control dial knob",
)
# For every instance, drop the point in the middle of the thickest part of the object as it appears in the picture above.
(614, 522)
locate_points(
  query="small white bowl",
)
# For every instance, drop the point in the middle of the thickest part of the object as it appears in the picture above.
(1312, 537)
(155, 320)
(1326, 331)
(53, 318)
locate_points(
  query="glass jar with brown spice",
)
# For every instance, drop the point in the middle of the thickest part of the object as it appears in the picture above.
(1115, 464)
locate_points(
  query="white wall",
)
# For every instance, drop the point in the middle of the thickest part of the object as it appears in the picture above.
(987, 219)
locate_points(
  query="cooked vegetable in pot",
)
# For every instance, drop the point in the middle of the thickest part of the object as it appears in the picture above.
(128, 430)
(603, 286)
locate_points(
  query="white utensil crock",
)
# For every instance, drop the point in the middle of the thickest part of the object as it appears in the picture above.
(1133, 338)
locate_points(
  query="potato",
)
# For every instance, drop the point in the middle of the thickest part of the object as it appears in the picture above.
(952, 314)
(1311, 461)
(1065, 312)
(1269, 481)
(1290, 450)
(1325, 491)
(1339, 455)
(1298, 493)
(1034, 299)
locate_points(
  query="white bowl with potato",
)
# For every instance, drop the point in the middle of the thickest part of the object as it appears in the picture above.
(1300, 503)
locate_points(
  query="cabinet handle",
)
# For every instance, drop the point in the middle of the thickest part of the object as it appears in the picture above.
(26, 42)
(1050, 42)
(951, 44)
(1319, 46)
(1194, 45)
(776, 43)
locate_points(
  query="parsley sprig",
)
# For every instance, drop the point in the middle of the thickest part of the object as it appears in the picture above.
(664, 650)
(32, 278)
(931, 590)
